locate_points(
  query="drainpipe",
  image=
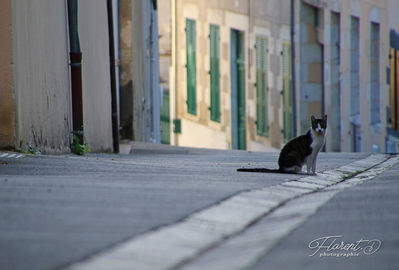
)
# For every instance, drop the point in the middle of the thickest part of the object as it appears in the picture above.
(292, 34)
(76, 70)
(173, 90)
(114, 94)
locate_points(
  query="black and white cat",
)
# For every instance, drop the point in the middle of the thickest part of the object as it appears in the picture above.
(300, 151)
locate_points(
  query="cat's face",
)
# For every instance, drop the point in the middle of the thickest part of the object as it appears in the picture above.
(319, 125)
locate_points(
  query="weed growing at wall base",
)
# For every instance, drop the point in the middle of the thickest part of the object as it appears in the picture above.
(76, 147)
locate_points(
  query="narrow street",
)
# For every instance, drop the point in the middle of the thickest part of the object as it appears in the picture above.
(187, 208)
(123, 124)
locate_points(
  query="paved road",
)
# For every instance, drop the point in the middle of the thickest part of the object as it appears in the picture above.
(365, 212)
(56, 210)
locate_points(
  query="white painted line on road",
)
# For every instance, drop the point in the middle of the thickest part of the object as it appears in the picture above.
(244, 250)
(300, 184)
(10, 155)
(172, 246)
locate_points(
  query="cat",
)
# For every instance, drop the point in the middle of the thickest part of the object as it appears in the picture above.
(300, 151)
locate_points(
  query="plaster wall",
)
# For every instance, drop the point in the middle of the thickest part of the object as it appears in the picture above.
(41, 75)
(7, 103)
(259, 18)
(93, 33)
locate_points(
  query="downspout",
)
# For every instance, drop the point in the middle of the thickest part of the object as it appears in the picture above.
(151, 59)
(293, 84)
(174, 70)
(114, 94)
(76, 70)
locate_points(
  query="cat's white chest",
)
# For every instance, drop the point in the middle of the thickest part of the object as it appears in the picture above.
(317, 143)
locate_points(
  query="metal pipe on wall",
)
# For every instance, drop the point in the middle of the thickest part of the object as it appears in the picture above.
(76, 70)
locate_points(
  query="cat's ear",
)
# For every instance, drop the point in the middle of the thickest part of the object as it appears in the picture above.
(312, 118)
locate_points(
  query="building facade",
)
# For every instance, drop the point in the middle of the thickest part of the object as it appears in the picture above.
(37, 100)
(36, 87)
(249, 74)
(393, 75)
(140, 97)
(227, 77)
(343, 50)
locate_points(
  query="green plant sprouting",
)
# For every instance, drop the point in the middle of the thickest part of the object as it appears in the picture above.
(76, 147)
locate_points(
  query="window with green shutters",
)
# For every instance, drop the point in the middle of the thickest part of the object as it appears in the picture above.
(262, 123)
(191, 66)
(214, 72)
(287, 93)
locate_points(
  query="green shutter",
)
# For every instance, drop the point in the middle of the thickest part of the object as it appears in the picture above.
(287, 95)
(191, 66)
(262, 123)
(214, 72)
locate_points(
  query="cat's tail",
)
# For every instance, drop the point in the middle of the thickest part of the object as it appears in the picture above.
(260, 170)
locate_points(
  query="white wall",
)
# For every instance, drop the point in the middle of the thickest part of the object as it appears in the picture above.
(93, 34)
(41, 74)
(201, 136)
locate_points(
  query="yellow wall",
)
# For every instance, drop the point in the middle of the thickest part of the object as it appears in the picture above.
(271, 19)
(228, 15)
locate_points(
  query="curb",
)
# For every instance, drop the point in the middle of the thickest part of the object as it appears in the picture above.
(244, 250)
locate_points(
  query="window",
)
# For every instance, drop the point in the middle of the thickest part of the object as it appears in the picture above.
(191, 66)
(356, 137)
(354, 71)
(262, 125)
(375, 74)
(214, 72)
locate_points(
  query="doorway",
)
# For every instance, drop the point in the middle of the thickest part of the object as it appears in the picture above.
(312, 65)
